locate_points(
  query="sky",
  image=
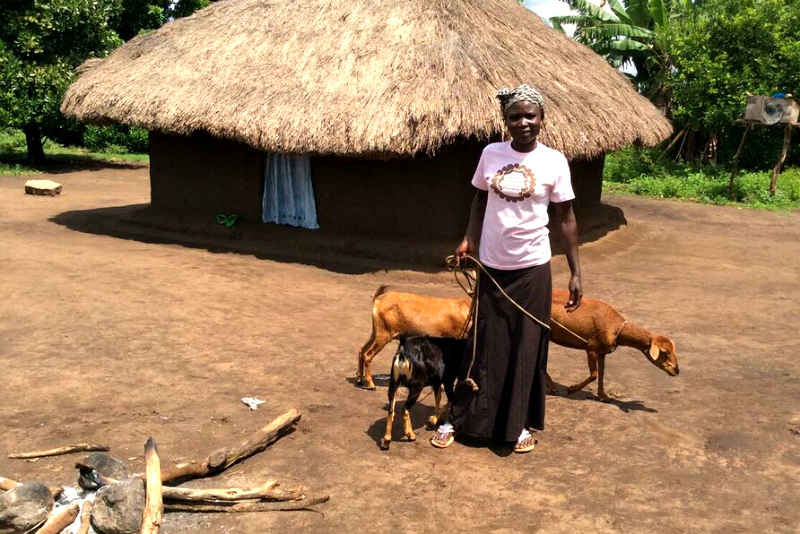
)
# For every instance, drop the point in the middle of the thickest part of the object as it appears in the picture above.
(547, 8)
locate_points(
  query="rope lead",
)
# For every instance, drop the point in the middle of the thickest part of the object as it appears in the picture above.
(472, 289)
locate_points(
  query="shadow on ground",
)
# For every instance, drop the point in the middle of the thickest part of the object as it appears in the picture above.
(337, 252)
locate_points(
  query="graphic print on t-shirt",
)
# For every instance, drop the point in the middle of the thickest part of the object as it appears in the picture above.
(514, 182)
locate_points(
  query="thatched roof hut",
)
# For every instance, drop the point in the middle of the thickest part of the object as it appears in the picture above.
(353, 77)
(370, 79)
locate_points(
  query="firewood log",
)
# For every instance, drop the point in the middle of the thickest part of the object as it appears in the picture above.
(86, 514)
(244, 506)
(59, 450)
(59, 519)
(268, 492)
(6, 484)
(153, 505)
(221, 459)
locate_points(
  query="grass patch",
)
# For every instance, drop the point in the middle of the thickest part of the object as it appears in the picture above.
(58, 158)
(638, 172)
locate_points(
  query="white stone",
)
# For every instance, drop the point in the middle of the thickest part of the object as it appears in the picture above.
(42, 187)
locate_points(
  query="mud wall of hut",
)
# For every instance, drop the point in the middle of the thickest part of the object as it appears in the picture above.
(201, 174)
(417, 197)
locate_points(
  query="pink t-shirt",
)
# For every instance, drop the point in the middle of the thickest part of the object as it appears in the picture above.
(520, 186)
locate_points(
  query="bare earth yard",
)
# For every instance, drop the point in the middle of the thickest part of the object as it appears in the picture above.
(108, 337)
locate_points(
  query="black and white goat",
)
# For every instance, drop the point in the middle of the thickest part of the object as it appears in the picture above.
(419, 362)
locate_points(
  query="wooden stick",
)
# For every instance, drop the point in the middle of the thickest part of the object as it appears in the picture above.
(59, 519)
(6, 484)
(223, 458)
(86, 514)
(773, 180)
(82, 447)
(267, 492)
(672, 143)
(153, 504)
(244, 506)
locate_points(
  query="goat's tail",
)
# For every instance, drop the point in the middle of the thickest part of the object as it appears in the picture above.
(401, 368)
(380, 291)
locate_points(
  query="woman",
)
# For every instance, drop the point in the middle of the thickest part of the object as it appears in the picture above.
(516, 180)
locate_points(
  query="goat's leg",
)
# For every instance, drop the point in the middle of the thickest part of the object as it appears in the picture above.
(387, 436)
(551, 386)
(379, 339)
(437, 413)
(601, 369)
(413, 395)
(362, 353)
(592, 359)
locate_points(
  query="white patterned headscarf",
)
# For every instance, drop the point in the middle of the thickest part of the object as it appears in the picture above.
(509, 97)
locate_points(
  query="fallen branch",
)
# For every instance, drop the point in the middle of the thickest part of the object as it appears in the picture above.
(86, 514)
(60, 519)
(6, 484)
(153, 505)
(269, 491)
(244, 506)
(224, 458)
(59, 450)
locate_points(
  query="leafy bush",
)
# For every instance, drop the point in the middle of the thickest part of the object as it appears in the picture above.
(639, 172)
(119, 139)
(12, 141)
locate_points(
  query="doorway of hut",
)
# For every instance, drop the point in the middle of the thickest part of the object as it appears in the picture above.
(289, 191)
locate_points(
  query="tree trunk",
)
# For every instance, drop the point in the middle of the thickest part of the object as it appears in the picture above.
(787, 138)
(33, 139)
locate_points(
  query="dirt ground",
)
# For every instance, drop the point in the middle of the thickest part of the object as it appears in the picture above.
(114, 335)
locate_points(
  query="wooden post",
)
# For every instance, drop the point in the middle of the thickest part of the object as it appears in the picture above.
(787, 138)
(153, 504)
(735, 169)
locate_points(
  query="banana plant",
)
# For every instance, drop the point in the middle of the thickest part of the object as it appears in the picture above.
(625, 32)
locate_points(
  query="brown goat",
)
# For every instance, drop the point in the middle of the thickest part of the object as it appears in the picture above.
(395, 314)
(605, 329)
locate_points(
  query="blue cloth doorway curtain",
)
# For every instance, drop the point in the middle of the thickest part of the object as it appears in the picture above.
(288, 192)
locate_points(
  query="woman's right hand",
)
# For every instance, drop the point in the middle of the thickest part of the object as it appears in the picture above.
(464, 248)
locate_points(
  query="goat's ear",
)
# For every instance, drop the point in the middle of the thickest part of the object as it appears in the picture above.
(655, 351)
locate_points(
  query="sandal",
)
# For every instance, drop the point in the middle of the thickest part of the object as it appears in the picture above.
(443, 437)
(525, 442)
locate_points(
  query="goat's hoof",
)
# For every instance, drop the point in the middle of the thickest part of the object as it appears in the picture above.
(432, 420)
(604, 398)
(411, 437)
(385, 444)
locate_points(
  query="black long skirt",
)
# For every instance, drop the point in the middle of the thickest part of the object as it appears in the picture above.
(511, 361)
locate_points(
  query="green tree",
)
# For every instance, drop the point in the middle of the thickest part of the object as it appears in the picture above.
(41, 43)
(137, 16)
(725, 50)
(626, 33)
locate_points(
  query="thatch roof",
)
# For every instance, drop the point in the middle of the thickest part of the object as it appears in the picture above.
(368, 77)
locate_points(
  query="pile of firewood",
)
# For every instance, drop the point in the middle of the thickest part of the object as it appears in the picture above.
(161, 494)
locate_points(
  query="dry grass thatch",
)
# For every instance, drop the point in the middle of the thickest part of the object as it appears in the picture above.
(361, 77)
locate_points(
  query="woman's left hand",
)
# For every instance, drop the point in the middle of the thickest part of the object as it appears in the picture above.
(575, 293)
